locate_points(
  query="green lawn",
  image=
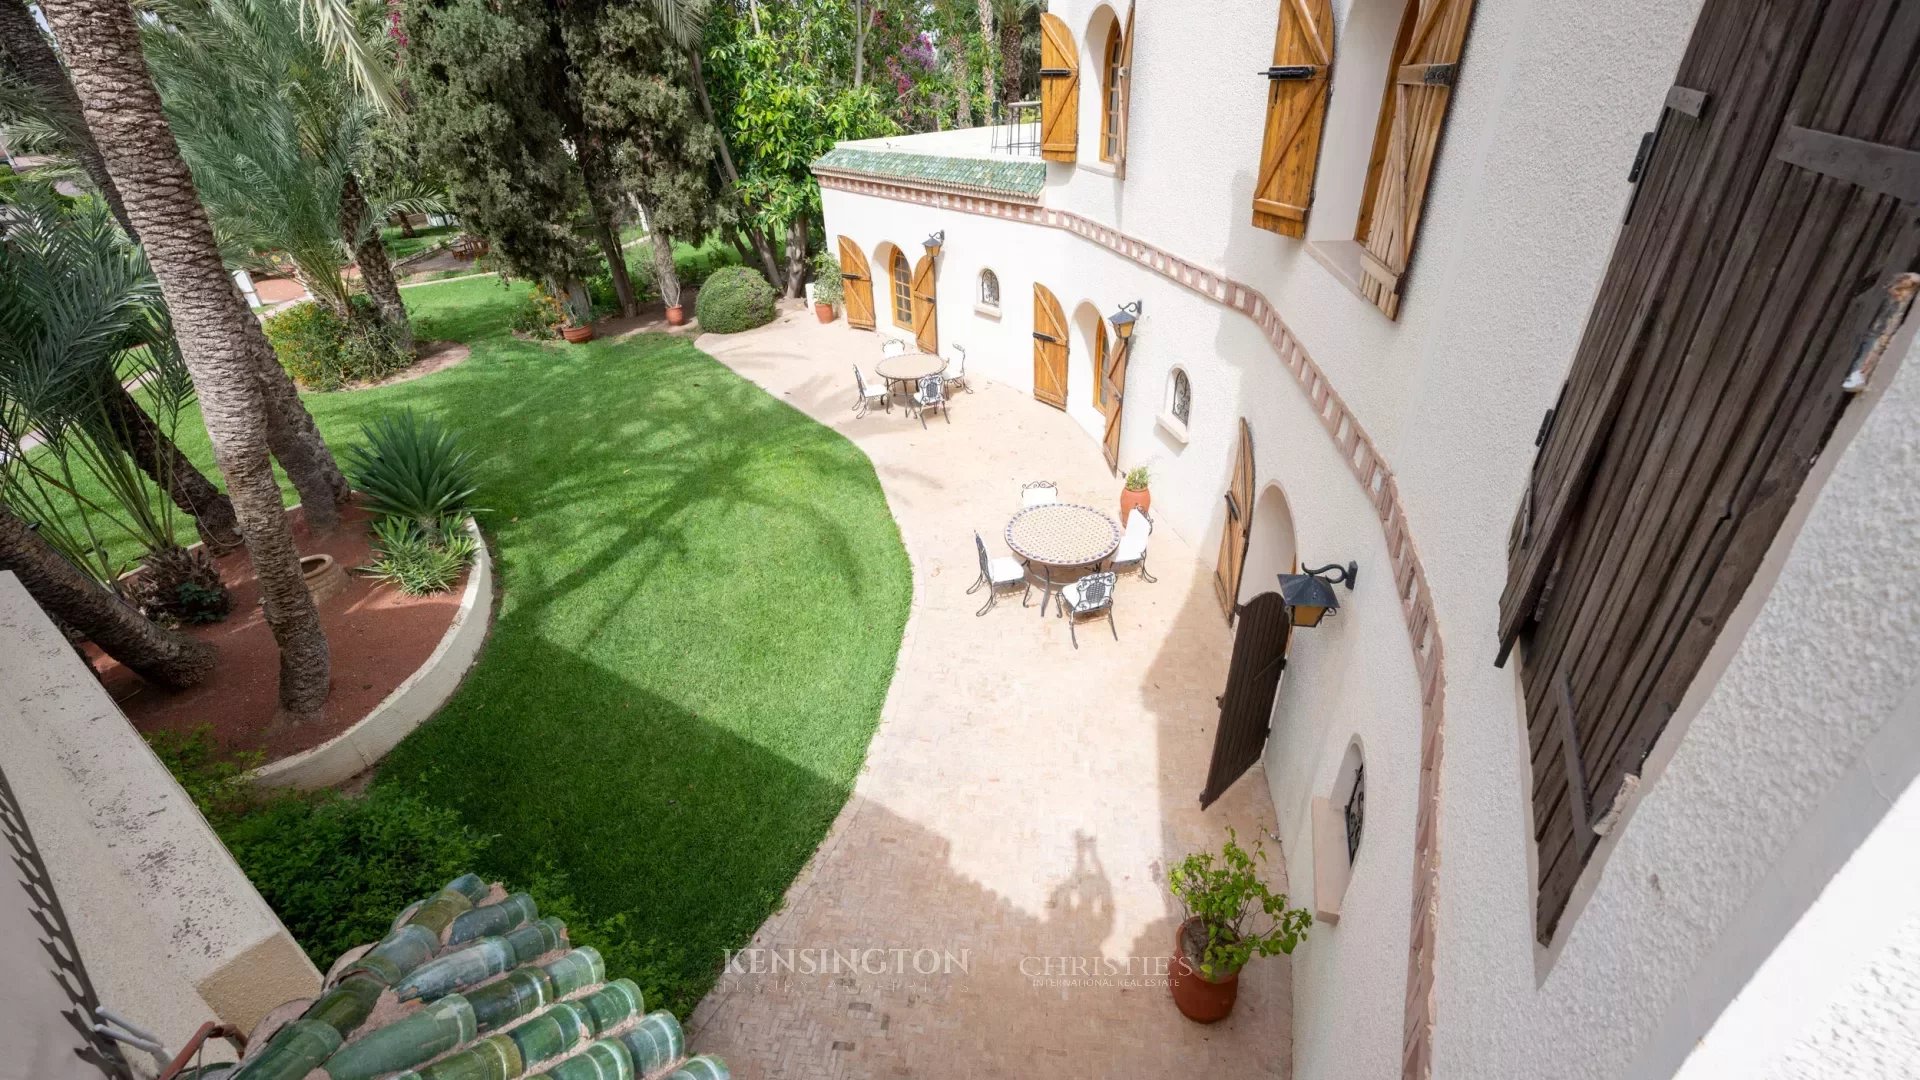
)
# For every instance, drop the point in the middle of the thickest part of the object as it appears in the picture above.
(400, 245)
(702, 593)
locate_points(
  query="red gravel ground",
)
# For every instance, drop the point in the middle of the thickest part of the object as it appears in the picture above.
(378, 637)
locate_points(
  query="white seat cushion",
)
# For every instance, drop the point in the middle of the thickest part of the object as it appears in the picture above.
(1005, 569)
(1039, 496)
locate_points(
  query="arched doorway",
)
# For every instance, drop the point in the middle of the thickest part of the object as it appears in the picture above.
(1049, 348)
(1272, 551)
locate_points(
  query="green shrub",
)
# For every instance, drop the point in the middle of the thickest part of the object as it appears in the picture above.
(828, 287)
(412, 467)
(735, 298)
(420, 561)
(323, 351)
(539, 314)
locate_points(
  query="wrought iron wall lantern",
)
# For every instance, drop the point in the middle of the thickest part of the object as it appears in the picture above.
(1310, 597)
(1123, 320)
(932, 243)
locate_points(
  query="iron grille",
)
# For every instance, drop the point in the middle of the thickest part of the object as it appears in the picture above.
(1016, 129)
(1356, 811)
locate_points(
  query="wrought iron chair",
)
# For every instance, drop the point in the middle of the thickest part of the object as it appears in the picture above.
(956, 372)
(1039, 493)
(997, 574)
(931, 395)
(863, 404)
(1132, 554)
(892, 346)
(1091, 595)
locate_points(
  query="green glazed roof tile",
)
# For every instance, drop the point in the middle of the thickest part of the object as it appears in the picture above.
(1021, 179)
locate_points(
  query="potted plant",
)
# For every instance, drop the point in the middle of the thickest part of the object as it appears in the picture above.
(1224, 900)
(576, 335)
(1135, 495)
(828, 289)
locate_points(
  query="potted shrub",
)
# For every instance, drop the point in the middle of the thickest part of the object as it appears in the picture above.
(828, 289)
(1135, 495)
(1231, 917)
(577, 335)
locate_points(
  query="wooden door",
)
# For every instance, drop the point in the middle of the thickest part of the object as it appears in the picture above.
(1239, 527)
(1059, 90)
(1113, 377)
(926, 329)
(1049, 348)
(1770, 250)
(859, 285)
(1126, 95)
(1296, 113)
(1246, 706)
(1413, 113)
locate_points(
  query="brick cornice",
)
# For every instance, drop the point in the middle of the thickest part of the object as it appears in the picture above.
(1376, 481)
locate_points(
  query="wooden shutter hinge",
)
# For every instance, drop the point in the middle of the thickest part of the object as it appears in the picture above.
(1426, 74)
(1894, 307)
(1546, 428)
(1292, 72)
(1055, 73)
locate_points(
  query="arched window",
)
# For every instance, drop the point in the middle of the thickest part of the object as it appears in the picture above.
(989, 289)
(1180, 397)
(902, 291)
(1110, 104)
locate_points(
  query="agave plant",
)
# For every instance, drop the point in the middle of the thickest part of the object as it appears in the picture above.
(411, 467)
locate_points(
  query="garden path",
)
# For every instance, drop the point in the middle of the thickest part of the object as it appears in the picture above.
(1020, 801)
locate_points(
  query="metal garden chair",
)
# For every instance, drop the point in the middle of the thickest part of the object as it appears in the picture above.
(997, 574)
(1091, 595)
(932, 394)
(863, 404)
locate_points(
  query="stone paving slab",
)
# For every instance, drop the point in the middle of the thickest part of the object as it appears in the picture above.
(991, 902)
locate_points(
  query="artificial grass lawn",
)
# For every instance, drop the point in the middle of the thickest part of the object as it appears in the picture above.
(400, 245)
(702, 593)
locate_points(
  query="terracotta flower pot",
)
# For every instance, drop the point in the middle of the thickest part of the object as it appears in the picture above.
(577, 335)
(677, 315)
(823, 312)
(1131, 500)
(323, 575)
(1199, 998)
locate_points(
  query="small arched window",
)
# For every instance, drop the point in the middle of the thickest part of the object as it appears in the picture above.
(1180, 397)
(1110, 103)
(989, 289)
(902, 290)
(1356, 809)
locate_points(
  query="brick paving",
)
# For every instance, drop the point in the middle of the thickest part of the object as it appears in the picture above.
(1020, 802)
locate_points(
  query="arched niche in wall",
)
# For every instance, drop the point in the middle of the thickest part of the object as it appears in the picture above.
(1272, 550)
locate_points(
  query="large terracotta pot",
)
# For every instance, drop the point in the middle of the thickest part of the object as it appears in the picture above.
(1200, 999)
(823, 312)
(323, 574)
(677, 315)
(577, 335)
(1131, 500)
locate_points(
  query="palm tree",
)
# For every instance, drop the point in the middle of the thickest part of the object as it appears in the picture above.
(76, 600)
(45, 81)
(81, 317)
(224, 347)
(986, 33)
(1010, 21)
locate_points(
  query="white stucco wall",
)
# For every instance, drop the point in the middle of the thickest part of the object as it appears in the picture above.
(1749, 810)
(168, 926)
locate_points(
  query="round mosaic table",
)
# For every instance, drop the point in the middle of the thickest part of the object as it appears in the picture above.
(907, 369)
(1061, 534)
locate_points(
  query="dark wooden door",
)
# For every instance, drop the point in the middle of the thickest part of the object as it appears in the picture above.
(859, 285)
(1768, 251)
(1049, 348)
(1238, 530)
(1246, 706)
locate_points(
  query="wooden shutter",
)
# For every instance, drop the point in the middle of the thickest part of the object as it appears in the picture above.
(1239, 527)
(1126, 95)
(1772, 246)
(1246, 705)
(1296, 112)
(1059, 90)
(1113, 376)
(859, 285)
(1422, 84)
(1049, 348)
(926, 327)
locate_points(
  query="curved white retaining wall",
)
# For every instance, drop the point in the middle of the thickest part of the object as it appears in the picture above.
(358, 748)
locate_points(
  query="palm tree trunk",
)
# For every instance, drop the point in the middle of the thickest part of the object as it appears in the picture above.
(27, 48)
(376, 269)
(1010, 32)
(963, 88)
(986, 77)
(171, 471)
(73, 599)
(296, 443)
(225, 351)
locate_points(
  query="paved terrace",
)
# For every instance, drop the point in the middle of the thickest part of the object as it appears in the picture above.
(1020, 799)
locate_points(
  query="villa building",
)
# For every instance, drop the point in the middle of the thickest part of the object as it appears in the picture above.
(1581, 331)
